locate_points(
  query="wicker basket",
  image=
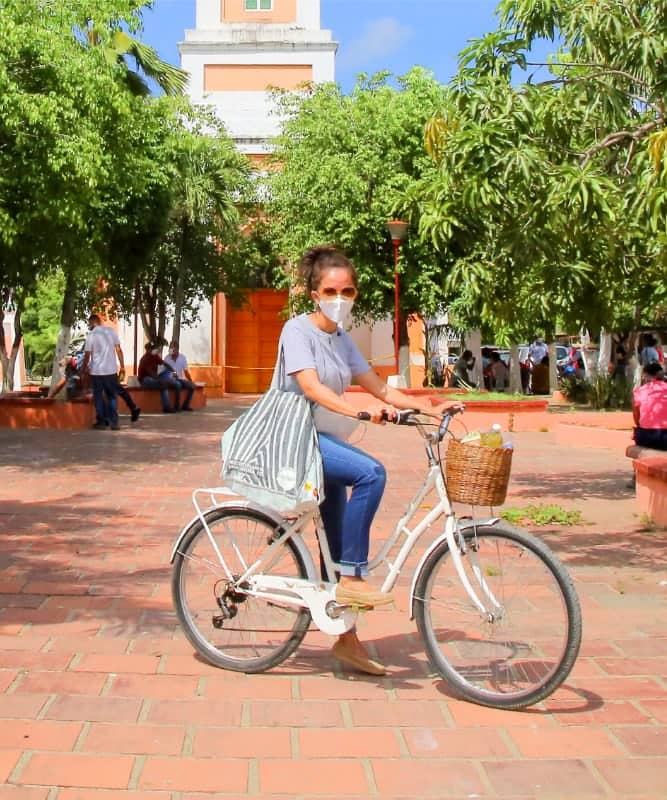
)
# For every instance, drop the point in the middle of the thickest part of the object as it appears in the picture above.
(477, 475)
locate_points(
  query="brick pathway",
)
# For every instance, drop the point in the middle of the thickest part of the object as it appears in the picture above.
(101, 696)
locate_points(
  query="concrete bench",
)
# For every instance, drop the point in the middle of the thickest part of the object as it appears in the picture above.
(651, 470)
(149, 400)
(33, 410)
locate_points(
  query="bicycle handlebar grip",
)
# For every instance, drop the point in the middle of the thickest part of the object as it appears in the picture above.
(365, 416)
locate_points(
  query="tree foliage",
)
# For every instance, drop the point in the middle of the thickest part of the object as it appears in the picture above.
(550, 197)
(170, 257)
(90, 162)
(344, 164)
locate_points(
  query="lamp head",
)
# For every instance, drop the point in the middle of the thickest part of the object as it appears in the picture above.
(397, 230)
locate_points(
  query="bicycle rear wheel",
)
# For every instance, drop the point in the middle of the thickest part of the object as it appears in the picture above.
(525, 648)
(229, 629)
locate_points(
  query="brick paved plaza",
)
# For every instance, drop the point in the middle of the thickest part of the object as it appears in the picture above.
(102, 698)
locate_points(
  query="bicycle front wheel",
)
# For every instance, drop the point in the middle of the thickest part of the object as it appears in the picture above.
(228, 628)
(524, 643)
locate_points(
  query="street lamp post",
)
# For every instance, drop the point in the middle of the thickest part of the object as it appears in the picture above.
(397, 230)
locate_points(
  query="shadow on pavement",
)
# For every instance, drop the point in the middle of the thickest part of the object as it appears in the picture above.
(577, 486)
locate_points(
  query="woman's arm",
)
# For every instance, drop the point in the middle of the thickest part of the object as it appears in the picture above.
(372, 383)
(317, 392)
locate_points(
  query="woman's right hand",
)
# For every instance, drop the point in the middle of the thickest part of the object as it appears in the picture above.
(380, 415)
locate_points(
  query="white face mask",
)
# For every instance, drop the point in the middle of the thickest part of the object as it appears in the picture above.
(337, 310)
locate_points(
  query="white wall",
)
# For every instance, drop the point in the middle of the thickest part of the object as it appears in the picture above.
(308, 14)
(207, 14)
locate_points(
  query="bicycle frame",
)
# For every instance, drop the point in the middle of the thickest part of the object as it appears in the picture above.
(319, 596)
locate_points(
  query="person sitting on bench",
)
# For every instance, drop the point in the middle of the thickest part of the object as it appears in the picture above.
(178, 363)
(649, 409)
(150, 378)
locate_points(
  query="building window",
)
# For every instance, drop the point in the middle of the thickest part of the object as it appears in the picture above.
(259, 5)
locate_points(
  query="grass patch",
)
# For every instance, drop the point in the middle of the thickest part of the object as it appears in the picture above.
(648, 525)
(542, 514)
(497, 397)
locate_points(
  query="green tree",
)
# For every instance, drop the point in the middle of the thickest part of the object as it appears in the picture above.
(344, 163)
(175, 254)
(549, 198)
(65, 126)
(41, 321)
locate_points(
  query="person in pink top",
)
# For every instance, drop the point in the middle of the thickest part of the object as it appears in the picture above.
(649, 409)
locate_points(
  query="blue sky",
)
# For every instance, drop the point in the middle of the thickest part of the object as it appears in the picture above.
(373, 34)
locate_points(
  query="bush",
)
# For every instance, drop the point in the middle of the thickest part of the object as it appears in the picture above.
(576, 390)
(604, 391)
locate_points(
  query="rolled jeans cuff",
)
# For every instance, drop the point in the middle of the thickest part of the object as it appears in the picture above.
(354, 570)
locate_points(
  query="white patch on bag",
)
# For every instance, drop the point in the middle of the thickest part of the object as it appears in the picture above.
(287, 478)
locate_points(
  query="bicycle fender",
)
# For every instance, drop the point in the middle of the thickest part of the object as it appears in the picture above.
(463, 525)
(312, 573)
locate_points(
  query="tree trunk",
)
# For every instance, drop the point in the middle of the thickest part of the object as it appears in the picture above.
(633, 349)
(65, 332)
(553, 369)
(147, 313)
(474, 344)
(179, 291)
(161, 318)
(8, 360)
(515, 370)
(589, 365)
(605, 355)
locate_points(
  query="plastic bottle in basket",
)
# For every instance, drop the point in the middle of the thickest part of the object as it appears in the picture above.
(493, 437)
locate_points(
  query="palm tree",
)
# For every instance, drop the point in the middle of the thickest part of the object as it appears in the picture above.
(119, 46)
(206, 187)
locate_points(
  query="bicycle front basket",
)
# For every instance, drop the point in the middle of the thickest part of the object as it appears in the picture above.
(477, 475)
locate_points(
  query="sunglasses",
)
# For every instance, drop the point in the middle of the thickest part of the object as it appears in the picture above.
(349, 293)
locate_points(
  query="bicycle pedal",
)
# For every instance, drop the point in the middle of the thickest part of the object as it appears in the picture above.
(354, 607)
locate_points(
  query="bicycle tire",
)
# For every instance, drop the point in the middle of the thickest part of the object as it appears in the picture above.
(525, 654)
(262, 634)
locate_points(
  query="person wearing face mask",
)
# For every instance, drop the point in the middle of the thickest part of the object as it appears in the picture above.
(320, 361)
(178, 364)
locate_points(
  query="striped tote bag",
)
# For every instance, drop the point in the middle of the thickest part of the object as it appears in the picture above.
(271, 454)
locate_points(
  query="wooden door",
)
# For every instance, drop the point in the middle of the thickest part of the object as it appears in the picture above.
(252, 334)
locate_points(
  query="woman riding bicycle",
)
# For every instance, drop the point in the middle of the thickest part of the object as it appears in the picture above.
(320, 361)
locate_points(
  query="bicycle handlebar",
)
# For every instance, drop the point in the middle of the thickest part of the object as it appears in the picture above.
(404, 417)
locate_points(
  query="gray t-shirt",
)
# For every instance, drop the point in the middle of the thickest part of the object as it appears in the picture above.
(335, 358)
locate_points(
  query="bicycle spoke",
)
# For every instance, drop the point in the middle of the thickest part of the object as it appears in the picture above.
(229, 627)
(523, 645)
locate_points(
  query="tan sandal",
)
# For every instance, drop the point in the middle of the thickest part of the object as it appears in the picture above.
(360, 662)
(348, 596)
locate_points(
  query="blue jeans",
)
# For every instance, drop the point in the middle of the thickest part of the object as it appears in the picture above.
(105, 389)
(163, 384)
(189, 391)
(655, 438)
(347, 522)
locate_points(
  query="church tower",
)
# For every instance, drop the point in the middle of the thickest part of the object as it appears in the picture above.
(237, 52)
(240, 48)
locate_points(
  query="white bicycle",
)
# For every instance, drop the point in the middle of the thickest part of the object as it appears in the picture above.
(496, 610)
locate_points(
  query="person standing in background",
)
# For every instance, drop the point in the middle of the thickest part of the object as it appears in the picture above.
(102, 356)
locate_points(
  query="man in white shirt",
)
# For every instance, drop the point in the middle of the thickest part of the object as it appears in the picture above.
(179, 364)
(102, 348)
(537, 351)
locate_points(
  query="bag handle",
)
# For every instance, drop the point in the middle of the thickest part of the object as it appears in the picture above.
(278, 379)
